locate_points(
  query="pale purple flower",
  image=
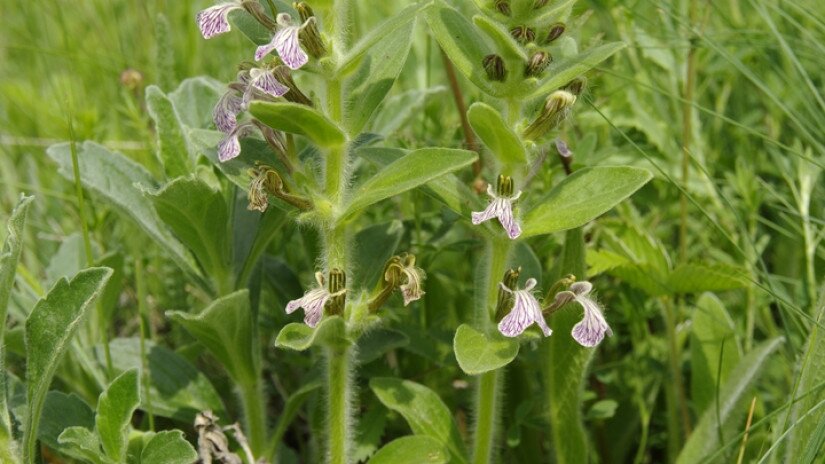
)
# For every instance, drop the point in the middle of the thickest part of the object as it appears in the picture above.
(286, 42)
(412, 290)
(502, 208)
(313, 302)
(215, 19)
(230, 146)
(265, 81)
(590, 331)
(563, 149)
(526, 311)
(225, 113)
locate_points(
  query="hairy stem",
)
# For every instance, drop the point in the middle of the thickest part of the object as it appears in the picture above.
(339, 413)
(254, 413)
(487, 408)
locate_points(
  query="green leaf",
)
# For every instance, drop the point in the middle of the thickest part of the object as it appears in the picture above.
(61, 411)
(198, 215)
(374, 246)
(807, 439)
(298, 119)
(113, 176)
(49, 328)
(366, 88)
(80, 441)
(401, 109)
(331, 331)
(375, 35)
(373, 344)
(465, 47)
(177, 389)
(490, 127)
(250, 27)
(194, 100)
(168, 447)
(712, 340)
(423, 410)
(114, 413)
(413, 449)
(478, 353)
(448, 189)
(563, 71)
(508, 48)
(225, 329)
(695, 278)
(565, 365)
(173, 151)
(733, 402)
(289, 412)
(582, 197)
(9, 257)
(415, 169)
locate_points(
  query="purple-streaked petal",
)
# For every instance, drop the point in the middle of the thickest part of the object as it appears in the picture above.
(226, 112)
(563, 149)
(487, 214)
(265, 81)
(591, 329)
(294, 304)
(505, 217)
(518, 320)
(581, 288)
(289, 47)
(214, 20)
(314, 310)
(265, 49)
(229, 147)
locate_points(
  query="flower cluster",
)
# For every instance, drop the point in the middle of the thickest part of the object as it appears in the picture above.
(525, 310)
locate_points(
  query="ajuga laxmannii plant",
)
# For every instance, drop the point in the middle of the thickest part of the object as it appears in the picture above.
(287, 156)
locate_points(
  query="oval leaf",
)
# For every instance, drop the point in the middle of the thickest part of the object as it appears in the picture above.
(298, 119)
(298, 336)
(114, 413)
(423, 410)
(168, 447)
(414, 449)
(477, 353)
(416, 168)
(490, 127)
(582, 197)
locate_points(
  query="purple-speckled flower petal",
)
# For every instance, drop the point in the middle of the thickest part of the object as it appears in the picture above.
(526, 310)
(226, 112)
(265, 81)
(313, 303)
(487, 214)
(501, 208)
(214, 20)
(230, 146)
(590, 331)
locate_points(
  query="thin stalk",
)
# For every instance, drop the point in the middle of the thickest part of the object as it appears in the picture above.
(687, 133)
(87, 247)
(254, 413)
(143, 317)
(487, 408)
(469, 136)
(677, 403)
(339, 393)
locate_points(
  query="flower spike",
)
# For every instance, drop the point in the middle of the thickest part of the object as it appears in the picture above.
(286, 42)
(215, 19)
(501, 207)
(526, 311)
(226, 111)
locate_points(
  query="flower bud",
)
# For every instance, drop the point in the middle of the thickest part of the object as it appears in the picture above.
(494, 66)
(503, 7)
(576, 86)
(505, 299)
(266, 181)
(537, 64)
(132, 79)
(257, 11)
(556, 30)
(523, 34)
(284, 76)
(309, 34)
(556, 109)
(504, 186)
(337, 285)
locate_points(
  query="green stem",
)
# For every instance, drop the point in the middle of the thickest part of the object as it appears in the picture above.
(339, 392)
(143, 317)
(487, 409)
(254, 412)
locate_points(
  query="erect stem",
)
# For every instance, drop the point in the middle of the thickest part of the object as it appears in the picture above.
(487, 392)
(339, 393)
(687, 135)
(469, 137)
(254, 413)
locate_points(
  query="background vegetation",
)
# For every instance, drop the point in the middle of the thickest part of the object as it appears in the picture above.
(711, 274)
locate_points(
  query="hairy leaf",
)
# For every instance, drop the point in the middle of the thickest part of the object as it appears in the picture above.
(491, 128)
(298, 119)
(114, 413)
(413, 449)
(173, 150)
(477, 353)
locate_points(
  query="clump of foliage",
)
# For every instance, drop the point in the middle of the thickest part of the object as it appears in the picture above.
(421, 231)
